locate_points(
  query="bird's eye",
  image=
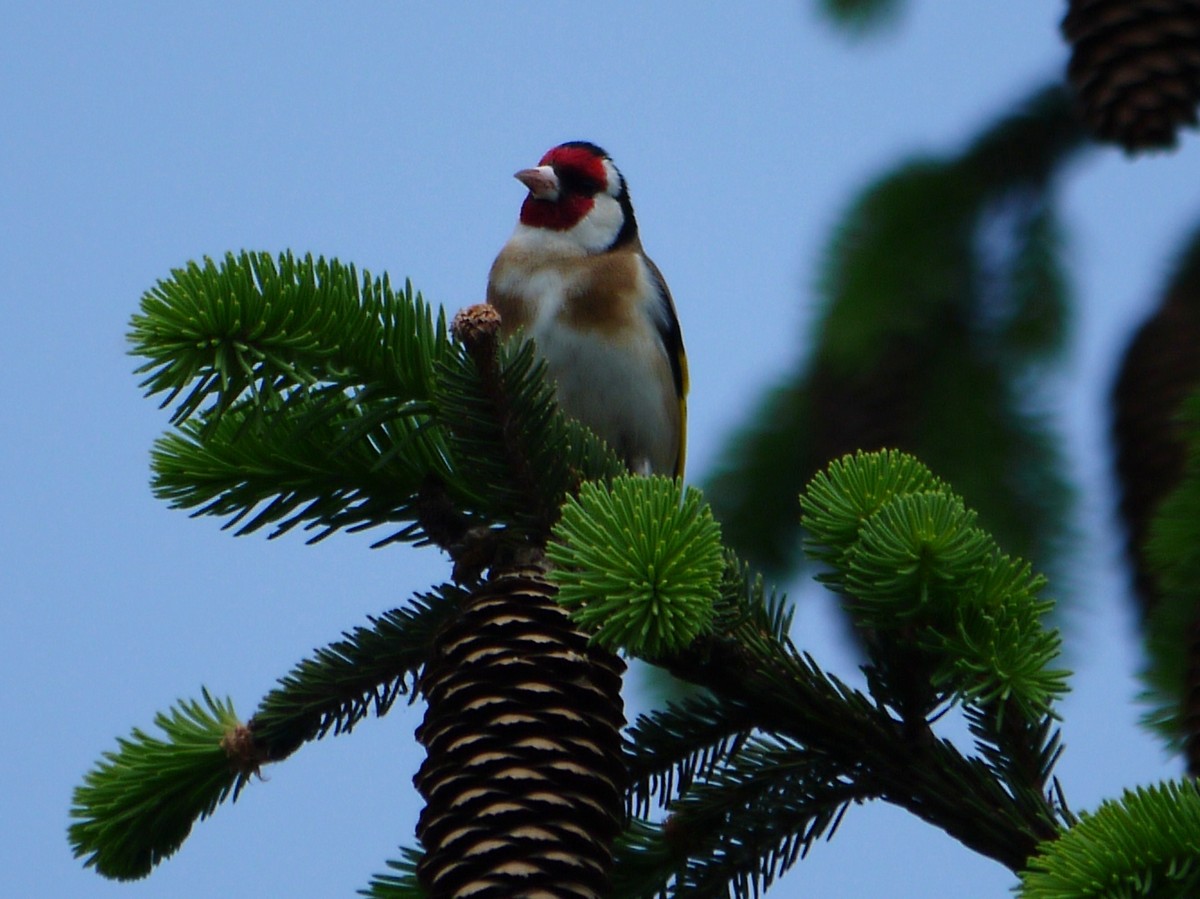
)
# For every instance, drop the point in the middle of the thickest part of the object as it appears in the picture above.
(580, 168)
(576, 181)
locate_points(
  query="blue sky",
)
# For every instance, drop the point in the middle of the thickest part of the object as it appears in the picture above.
(137, 136)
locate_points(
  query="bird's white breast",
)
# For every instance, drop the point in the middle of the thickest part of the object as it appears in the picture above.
(616, 381)
(616, 386)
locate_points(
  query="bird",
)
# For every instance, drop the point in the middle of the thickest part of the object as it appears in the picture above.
(574, 277)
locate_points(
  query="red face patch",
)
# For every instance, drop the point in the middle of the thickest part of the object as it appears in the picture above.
(562, 214)
(581, 176)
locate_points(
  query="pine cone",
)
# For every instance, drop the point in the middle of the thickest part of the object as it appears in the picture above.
(1159, 370)
(524, 779)
(1135, 67)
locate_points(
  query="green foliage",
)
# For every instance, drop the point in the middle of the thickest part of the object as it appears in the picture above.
(911, 560)
(752, 774)
(400, 885)
(839, 500)
(1147, 844)
(733, 824)
(1173, 551)
(744, 603)
(941, 294)
(520, 456)
(742, 826)
(912, 564)
(285, 466)
(313, 397)
(366, 670)
(861, 17)
(308, 393)
(137, 806)
(306, 396)
(875, 292)
(271, 328)
(670, 748)
(638, 562)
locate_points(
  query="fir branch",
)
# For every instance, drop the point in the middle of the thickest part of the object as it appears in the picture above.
(910, 559)
(644, 861)
(859, 18)
(258, 326)
(839, 499)
(343, 682)
(139, 804)
(907, 555)
(401, 885)
(1000, 651)
(671, 748)
(744, 602)
(309, 395)
(383, 420)
(750, 820)
(1147, 844)
(1025, 296)
(312, 397)
(940, 293)
(290, 469)
(521, 456)
(1020, 752)
(754, 818)
(489, 395)
(136, 807)
(788, 695)
(638, 563)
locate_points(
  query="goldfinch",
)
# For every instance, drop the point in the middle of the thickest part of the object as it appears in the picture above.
(574, 277)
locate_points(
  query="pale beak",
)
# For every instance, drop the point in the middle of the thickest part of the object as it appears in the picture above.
(541, 181)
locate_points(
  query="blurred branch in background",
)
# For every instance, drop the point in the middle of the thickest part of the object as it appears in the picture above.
(942, 300)
(860, 18)
(1156, 433)
(1134, 67)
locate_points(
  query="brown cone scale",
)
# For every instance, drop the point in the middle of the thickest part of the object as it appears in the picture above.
(524, 776)
(1135, 67)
